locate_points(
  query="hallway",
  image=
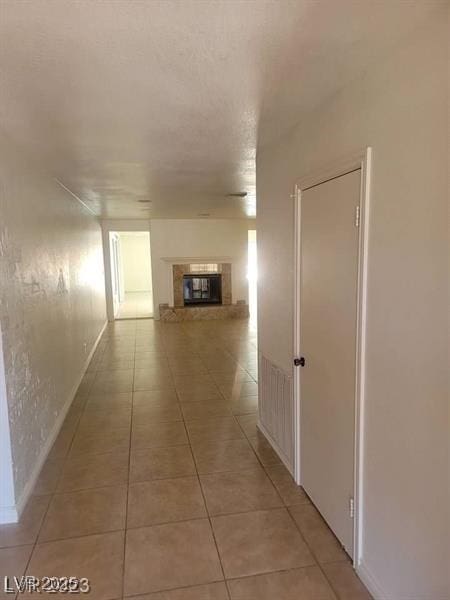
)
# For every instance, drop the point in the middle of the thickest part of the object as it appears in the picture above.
(160, 481)
(293, 156)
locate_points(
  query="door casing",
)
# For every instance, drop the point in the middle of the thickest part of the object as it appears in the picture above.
(116, 275)
(360, 160)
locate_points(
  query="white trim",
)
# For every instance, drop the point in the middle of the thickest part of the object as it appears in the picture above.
(13, 513)
(371, 583)
(361, 160)
(361, 329)
(107, 269)
(275, 446)
(114, 239)
(118, 226)
(178, 260)
(296, 374)
(334, 169)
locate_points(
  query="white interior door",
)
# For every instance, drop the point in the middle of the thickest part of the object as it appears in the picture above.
(328, 338)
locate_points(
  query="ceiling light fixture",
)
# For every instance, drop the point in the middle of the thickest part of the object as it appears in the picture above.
(144, 201)
(204, 214)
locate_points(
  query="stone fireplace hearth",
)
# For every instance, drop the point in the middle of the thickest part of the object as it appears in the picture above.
(199, 311)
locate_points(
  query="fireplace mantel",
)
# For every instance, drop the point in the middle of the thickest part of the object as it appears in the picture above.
(178, 260)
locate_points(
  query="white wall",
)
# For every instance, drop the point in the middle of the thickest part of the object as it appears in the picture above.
(199, 238)
(135, 253)
(400, 109)
(8, 509)
(52, 305)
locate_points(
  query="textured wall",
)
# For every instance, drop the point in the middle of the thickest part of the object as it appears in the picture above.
(52, 305)
(400, 109)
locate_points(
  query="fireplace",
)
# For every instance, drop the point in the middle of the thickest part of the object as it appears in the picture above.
(219, 275)
(201, 289)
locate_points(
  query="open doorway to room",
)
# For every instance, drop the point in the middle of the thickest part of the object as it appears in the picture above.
(252, 276)
(131, 274)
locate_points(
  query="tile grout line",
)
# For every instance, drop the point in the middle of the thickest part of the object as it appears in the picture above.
(52, 494)
(128, 473)
(210, 523)
(313, 554)
(262, 466)
(206, 508)
(96, 371)
(297, 527)
(286, 508)
(203, 493)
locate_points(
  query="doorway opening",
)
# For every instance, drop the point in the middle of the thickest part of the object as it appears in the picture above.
(131, 274)
(252, 277)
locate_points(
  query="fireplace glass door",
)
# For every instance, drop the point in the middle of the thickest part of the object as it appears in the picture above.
(202, 289)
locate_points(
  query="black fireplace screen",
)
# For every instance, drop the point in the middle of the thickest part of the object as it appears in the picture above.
(202, 289)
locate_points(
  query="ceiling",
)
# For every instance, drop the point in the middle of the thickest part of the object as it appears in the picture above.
(127, 102)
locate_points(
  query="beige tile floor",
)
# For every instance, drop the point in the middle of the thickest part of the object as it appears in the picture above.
(160, 486)
(136, 305)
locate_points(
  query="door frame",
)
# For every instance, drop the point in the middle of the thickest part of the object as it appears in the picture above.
(361, 160)
(120, 226)
(116, 271)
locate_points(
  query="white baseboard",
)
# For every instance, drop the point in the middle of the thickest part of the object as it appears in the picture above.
(371, 583)
(275, 447)
(12, 514)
